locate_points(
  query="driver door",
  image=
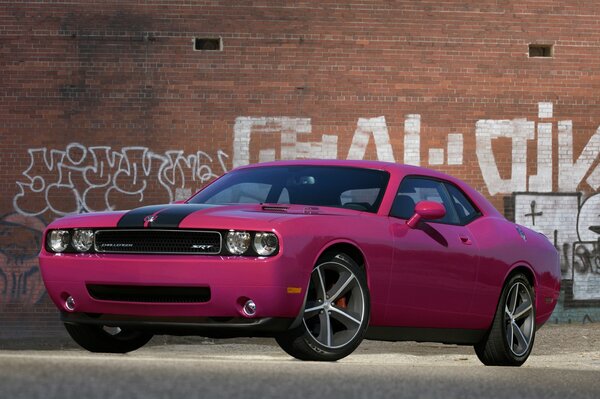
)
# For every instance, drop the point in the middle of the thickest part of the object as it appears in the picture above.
(435, 264)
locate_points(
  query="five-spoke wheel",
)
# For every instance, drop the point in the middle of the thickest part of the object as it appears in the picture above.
(335, 307)
(336, 313)
(518, 319)
(510, 340)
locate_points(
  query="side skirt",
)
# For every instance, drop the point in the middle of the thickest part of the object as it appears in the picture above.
(442, 335)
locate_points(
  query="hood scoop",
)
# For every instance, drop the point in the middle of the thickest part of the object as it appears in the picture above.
(294, 209)
(275, 208)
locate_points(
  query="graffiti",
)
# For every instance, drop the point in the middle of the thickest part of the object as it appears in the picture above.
(586, 258)
(288, 129)
(533, 213)
(86, 179)
(412, 140)
(20, 240)
(519, 131)
(586, 270)
(572, 226)
(570, 172)
(378, 128)
(454, 151)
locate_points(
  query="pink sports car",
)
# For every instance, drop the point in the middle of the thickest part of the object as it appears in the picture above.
(318, 254)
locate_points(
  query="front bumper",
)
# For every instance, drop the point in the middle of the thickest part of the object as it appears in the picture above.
(276, 284)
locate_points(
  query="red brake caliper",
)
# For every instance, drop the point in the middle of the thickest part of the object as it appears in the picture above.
(341, 303)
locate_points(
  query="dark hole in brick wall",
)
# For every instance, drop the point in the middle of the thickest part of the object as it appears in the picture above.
(208, 44)
(540, 50)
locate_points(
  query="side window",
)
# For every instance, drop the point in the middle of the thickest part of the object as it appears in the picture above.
(415, 189)
(464, 207)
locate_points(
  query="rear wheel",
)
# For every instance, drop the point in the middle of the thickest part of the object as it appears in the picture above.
(104, 339)
(336, 313)
(510, 340)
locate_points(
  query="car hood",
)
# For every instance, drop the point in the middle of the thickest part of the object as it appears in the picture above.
(172, 216)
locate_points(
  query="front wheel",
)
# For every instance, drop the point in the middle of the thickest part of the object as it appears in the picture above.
(510, 340)
(104, 339)
(336, 314)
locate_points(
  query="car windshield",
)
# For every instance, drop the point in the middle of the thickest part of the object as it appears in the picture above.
(335, 186)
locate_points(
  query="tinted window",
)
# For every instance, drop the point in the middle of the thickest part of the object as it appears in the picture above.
(415, 189)
(464, 207)
(352, 188)
(241, 193)
(361, 199)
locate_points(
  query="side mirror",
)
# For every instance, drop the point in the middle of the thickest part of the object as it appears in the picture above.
(428, 210)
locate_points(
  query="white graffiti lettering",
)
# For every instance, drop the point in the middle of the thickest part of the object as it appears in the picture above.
(260, 132)
(288, 130)
(86, 179)
(570, 172)
(519, 130)
(364, 128)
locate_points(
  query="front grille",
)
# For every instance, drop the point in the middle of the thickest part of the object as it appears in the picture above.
(150, 241)
(159, 294)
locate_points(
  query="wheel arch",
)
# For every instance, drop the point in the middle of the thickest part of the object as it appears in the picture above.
(526, 270)
(349, 248)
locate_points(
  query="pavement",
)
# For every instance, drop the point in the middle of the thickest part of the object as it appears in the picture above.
(565, 363)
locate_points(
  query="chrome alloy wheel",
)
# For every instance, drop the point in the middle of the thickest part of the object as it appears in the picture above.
(519, 319)
(335, 305)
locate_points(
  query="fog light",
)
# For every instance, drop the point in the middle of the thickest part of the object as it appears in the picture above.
(70, 304)
(249, 308)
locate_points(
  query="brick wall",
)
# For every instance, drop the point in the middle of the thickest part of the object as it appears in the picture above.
(107, 105)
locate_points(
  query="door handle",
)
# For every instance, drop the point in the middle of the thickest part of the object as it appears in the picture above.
(466, 240)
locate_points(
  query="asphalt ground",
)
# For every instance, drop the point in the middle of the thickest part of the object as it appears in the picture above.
(565, 363)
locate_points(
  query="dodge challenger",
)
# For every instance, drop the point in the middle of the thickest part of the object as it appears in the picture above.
(317, 254)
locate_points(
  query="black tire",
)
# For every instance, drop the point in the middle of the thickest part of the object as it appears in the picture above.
(346, 301)
(95, 338)
(504, 345)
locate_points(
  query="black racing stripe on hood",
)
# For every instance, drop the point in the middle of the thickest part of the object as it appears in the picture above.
(173, 215)
(135, 217)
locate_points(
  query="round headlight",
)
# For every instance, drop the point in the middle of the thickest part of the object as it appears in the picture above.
(83, 240)
(58, 240)
(265, 243)
(238, 242)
